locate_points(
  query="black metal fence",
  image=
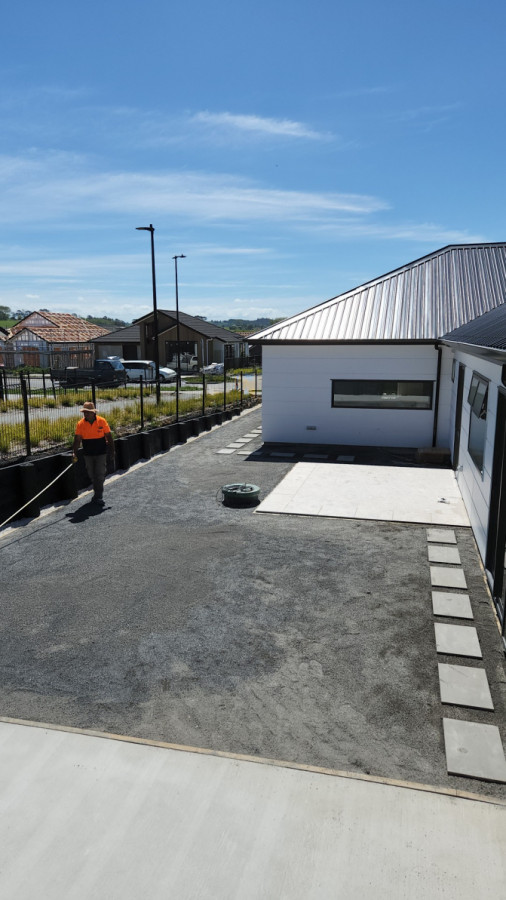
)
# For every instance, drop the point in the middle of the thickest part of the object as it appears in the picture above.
(37, 415)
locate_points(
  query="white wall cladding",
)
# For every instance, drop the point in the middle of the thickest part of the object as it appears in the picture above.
(297, 382)
(475, 487)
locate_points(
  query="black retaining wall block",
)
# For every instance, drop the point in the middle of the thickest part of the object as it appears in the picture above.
(122, 446)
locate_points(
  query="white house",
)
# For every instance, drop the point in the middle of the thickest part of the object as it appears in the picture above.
(414, 359)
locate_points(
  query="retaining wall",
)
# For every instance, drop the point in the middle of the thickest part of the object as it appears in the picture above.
(22, 481)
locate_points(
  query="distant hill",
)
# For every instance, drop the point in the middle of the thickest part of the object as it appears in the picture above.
(245, 324)
(107, 322)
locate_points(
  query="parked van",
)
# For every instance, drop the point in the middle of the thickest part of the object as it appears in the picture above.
(145, 367)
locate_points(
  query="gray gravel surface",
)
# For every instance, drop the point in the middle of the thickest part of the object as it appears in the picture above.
(167, 615)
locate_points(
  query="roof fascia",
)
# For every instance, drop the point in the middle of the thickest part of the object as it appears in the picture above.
(267, 342)
(494, 354)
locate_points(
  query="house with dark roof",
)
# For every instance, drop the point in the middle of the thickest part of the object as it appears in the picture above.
(197, 337)
(46, 339)
(413, 359)
(125, 343)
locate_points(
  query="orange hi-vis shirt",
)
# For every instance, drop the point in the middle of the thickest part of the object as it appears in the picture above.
(92, 435)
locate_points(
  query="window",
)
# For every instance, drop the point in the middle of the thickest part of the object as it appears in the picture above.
(382, 394)
(477, 399)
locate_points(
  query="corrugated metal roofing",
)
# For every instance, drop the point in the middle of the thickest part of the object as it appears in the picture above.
(489, 330)
(418, 302)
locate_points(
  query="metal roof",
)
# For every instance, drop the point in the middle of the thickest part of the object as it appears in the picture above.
(421, 301)
(488, 330)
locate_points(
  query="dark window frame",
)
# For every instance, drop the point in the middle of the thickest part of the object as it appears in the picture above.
(477, 399)
(383, 403)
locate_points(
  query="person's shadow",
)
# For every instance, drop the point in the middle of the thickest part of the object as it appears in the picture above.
(87, 511)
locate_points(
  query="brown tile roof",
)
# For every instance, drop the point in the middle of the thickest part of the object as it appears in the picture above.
(64, 329)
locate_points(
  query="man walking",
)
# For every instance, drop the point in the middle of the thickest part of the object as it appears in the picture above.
(98, 444)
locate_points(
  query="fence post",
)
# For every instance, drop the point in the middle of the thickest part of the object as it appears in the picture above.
(141, 383)
(224, 386)
(178, 379)
(241, 391)
(93, 394)
(203, 393)
(26, 415)
(44, 384)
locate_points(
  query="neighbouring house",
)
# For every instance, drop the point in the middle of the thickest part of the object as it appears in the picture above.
(125, 343)
(413, 359)
(47, 339)
(197, 337)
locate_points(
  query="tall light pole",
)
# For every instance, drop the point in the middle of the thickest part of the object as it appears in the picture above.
(151, 229)
(175, 258)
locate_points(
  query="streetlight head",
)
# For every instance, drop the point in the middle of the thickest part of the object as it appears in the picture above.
(145, 228)
(179, 256)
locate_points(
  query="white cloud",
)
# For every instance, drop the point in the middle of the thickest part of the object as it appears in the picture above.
(258, 125)
(60, 185)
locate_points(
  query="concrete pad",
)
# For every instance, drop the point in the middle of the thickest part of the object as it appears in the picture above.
(236, 445)
(316, 456)
(442, 577)
(243, 440)
(474, 750)
(457, 606)
(287, 455)
(448, 555)
(346, 459)
(85, 816)
(383, 493)
(441, 537)
(464, 686)
(227, 450)
(457, 640)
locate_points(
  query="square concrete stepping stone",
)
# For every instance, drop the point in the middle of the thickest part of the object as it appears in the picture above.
(457, 606)
(474, 750)
(243, 440)
(440, 536)
(348, 459)
(457, 640)
(315, 456)
(236, 445)
(226, 450)
(244, 453)
(452, 578)
(464, 686)
(288, 455)
(443, 554)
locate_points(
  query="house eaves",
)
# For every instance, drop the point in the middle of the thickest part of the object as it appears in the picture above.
(420, 301)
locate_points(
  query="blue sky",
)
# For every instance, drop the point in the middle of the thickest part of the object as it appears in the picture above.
(290, 150)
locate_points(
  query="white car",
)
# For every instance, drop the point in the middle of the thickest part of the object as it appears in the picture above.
(213, 369)
(145, 367)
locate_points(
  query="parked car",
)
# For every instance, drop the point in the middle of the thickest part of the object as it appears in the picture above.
(108, 371)
(213, 369)
(189, 363)
(145, 367)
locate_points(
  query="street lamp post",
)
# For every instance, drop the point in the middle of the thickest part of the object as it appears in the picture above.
(175, 258)
(151, 229)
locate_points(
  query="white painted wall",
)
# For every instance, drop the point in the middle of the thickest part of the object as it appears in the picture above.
(475, 487)
(296, 393)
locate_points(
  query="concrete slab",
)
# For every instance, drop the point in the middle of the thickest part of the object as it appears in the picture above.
(236, 445)
(227, 450)
(383, 493)
(442, 577)
(440, 536)
(439, 554)
(85, 816)
(474, 750)
(346, 459)
(457, 640)
(464, 686)
(457, 606)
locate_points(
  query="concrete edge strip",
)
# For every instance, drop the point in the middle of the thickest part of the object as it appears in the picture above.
(259, 760)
